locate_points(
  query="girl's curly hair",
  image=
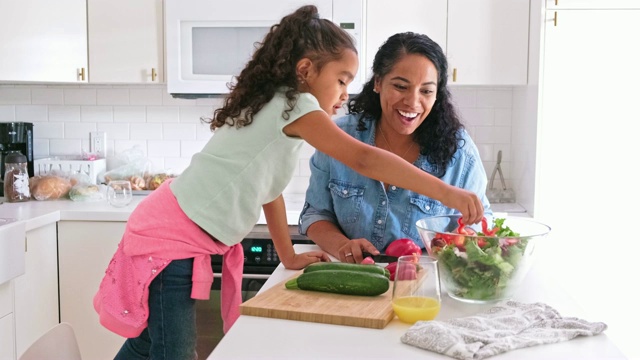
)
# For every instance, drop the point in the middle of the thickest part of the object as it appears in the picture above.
(438, 134)
(301, 34)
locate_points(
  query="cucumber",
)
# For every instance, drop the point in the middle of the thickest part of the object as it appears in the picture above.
(344, 282)
(373, 269)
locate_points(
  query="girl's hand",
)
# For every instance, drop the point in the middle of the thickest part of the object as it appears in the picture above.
(300, 261)
(466, 202)
(351, 251)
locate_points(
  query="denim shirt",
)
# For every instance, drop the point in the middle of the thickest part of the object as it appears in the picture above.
(361, 206)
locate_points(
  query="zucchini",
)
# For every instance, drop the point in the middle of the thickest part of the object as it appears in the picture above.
(373, 269)
(345, 282)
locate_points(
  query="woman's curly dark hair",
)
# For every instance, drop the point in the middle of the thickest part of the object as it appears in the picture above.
(438, 134)
(302, 34)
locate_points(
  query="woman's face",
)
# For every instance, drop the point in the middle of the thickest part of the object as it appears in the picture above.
(407, 93)
(329, 85)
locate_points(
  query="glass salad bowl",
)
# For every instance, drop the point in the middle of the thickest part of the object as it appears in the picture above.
(485, 262)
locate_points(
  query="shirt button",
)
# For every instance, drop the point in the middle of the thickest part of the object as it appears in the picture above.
(384, 203)
(393, 187)
(379, 222)
(345, 192)
(427, 207)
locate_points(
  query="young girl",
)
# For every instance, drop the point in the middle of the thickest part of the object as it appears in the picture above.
(285, 95)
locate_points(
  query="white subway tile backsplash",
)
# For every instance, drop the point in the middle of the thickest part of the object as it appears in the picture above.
(47, 96)
(151, 96)
(193, 114)
(96, 114)
(176, 165)
(164, 148)
(169, 131)
(494, 98)
(179, 131)
(156, 164)
(188, 148)
(67, 114)
(145, 131)
(118, 131)
(14, 96)
(502, 117)
(79, 130)
(463, 97)
(113, 96)
(203, 132)
(79, 96)
(31, 113)
(7, 113)
(163, 114)
(129, 114)
(477, 117)
(65, 147)
(120, 146)
(40, 148)
(48, 130)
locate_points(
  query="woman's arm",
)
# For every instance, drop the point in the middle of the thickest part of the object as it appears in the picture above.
(322, 133)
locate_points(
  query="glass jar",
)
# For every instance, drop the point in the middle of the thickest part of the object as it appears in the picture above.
(16, 178)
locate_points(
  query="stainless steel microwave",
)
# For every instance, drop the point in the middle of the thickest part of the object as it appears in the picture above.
(208, 42)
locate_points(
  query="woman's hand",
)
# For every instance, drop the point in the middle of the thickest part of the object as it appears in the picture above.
(351, 251)
(466, 202)
(300, 261)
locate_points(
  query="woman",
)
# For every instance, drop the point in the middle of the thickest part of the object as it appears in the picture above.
(405, 108)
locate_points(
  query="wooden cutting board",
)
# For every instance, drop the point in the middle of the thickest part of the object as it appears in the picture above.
(362, 311)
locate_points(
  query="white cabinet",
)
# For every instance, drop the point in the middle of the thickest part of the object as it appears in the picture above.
(592, 4)
(7, 337)
(385, 18)
(487, 42)
(36, 292)
(125, 41)
(85, 249)
(587, 148)
(43, 41)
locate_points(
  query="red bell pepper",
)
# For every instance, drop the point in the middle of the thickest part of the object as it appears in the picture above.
(401, 247)
(486, 230)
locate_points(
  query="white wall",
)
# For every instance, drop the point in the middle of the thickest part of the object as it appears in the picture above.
(169, 130)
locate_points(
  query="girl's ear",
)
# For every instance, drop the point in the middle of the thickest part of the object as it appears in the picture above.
(303, 67)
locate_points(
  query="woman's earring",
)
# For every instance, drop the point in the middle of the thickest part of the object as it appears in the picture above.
(375, 90)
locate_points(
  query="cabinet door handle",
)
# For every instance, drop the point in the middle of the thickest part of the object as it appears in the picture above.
(154, 74)
(455, 74)
(81, 74)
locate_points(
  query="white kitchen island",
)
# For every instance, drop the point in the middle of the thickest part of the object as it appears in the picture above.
(266, 338)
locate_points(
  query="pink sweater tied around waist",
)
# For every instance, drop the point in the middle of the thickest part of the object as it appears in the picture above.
(158, 232)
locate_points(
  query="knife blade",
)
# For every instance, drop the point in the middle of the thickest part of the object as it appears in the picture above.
(380, 258)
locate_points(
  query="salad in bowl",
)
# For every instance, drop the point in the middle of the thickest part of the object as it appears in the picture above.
(485, 262)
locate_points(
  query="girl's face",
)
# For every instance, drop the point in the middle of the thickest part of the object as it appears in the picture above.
(329, 85)
(407, 93)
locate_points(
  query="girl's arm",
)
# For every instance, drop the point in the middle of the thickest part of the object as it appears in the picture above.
(323, 134)
(276, 216)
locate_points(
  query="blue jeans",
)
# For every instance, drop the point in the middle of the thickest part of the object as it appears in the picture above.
(171, 330)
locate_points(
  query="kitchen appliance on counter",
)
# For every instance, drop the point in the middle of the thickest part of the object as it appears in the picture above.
(209, 42)
(15, 137)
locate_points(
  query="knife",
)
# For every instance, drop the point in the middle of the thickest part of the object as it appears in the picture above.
(380, 258)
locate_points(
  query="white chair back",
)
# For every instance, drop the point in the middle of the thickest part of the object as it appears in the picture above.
(58, 343)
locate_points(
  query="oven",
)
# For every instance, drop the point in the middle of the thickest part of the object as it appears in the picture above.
(260, 260)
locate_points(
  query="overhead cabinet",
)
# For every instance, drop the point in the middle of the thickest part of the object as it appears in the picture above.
(44, 41)
(486, 41)
(125, 41)
(75, 41)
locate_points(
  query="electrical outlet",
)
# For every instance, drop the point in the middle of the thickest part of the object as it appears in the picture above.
(99, 143)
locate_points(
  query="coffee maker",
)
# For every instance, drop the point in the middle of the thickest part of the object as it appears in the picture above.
(15, 136)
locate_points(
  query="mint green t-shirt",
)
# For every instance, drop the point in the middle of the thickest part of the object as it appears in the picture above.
(239, 170)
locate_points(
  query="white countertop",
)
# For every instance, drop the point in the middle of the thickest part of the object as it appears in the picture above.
(265, 338)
